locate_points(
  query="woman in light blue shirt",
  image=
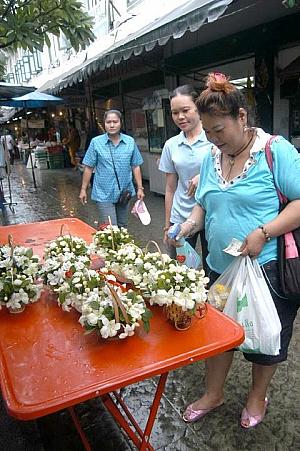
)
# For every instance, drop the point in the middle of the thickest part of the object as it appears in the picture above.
(181, 159)
(114, 156)
(237, 199)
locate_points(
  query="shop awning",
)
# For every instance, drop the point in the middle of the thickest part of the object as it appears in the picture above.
(9, 90)
(187, 17)
(6, 114)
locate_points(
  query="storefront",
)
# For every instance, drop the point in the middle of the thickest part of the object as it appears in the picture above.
(251, 49)
(287, 92)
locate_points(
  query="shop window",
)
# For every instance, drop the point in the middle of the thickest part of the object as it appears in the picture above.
(160, 125)
(36, 61)
(131, 3)
(20, 71)
(63, 42)
(27, 67)
(10, 77)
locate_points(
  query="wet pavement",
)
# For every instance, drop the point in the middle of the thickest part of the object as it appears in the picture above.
(56, 197)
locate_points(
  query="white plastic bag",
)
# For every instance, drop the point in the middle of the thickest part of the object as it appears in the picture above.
(221, 288)
(250, 303)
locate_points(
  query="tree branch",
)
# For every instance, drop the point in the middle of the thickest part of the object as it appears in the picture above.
(9, 6)
(8, 44)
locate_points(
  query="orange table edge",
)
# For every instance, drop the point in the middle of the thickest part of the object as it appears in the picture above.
(47, 363)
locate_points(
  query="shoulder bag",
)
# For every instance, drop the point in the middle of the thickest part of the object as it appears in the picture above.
(125, 194)
(288, 245)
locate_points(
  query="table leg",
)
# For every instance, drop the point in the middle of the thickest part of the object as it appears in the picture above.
(83, 437)
(140, 438)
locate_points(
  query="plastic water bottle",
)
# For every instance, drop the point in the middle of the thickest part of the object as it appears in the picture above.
(185, 254)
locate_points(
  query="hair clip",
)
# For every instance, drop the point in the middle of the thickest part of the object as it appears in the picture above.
(220, 78)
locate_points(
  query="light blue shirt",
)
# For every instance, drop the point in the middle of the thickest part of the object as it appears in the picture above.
(184, 159)
(238, 209)
(125, 156)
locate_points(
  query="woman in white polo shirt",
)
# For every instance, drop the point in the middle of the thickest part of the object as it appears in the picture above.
(181, 159)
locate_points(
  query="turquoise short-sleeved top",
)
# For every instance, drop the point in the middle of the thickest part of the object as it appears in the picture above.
(235, 210)
(184, 159)
(125, 156)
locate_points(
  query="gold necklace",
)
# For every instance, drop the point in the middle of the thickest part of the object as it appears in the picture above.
(232, 156)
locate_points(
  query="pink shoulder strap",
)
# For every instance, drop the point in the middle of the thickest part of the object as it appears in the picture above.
(269, 158)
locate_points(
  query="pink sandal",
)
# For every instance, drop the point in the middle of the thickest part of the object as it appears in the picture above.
(253, 420)
(190, 415)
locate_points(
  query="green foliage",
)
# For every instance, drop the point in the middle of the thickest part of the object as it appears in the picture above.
(27, 23)
(146, 316)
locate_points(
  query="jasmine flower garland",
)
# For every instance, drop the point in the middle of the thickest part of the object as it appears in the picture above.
(58, 271)
(108, 241)
(19, 270)
(77, 288)
(100, 313)
(67, 244)
(178, 285)
(132, 263)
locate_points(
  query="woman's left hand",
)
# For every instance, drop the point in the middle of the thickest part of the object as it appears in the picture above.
(140, 194)
(193, 183)
(253, 243)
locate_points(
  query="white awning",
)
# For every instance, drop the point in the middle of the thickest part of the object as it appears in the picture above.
(187, 17)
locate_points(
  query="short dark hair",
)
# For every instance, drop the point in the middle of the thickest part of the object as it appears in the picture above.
(185, 90)
(117, 112)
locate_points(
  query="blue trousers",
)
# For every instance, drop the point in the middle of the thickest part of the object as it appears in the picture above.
(118, 213)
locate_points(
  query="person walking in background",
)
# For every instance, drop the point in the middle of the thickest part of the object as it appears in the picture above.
(9, 144)
(73, 143)
(92, 133)
(115, 157)
(181, 159)
(237, 198)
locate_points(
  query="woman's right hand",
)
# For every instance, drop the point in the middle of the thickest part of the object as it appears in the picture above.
(165, 238)
(83, 196)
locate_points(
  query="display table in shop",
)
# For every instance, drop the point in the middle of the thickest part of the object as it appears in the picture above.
(47, 363)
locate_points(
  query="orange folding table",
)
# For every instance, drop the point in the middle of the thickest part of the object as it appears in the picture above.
(47, 363)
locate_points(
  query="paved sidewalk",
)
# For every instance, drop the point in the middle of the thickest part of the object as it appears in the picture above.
(57, 197)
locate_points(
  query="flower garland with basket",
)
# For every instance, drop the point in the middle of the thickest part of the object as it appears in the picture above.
(108, 241)
(58, 271)
(162, 281)
(138, 266)
(63, 257)
(19, 271)
(114, 311)
(77, 287)
(181, 291)
(66, 244)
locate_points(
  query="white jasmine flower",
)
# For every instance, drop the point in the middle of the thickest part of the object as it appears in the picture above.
(92, 319)
(109, 328)
(128, 331)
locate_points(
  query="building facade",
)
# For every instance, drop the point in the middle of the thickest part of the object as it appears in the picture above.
(146, 48)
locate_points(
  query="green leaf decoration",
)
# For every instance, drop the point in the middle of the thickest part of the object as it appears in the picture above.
(241, 303)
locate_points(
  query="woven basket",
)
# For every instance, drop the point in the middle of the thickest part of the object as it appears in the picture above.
(201, 311)
(181, 319)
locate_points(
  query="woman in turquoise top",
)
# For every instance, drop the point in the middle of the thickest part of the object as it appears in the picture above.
(237, 199)
(114, 157)
(181, 159)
